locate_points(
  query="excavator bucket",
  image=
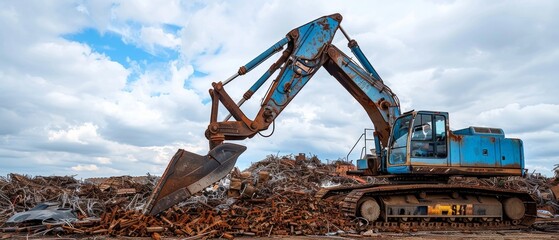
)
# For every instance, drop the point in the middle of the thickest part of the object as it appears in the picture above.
(189, 173)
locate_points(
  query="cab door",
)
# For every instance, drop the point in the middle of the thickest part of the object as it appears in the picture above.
(429, 140)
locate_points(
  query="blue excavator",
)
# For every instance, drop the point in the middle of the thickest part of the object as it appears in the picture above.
(415, 151)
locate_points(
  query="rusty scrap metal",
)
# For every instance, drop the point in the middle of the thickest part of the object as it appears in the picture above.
(273, 197)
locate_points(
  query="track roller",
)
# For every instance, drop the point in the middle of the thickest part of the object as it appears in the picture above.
(514, 208)
(369, 208)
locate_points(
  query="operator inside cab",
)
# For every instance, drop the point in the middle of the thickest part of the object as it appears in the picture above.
(422, 137)
(427, 133)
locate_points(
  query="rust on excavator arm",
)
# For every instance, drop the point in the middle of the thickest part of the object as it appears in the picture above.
(189, 173)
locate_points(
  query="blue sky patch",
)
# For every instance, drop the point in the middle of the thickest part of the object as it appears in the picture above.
(171, 28)
(112, 45)
(198, 74)
(195, 74)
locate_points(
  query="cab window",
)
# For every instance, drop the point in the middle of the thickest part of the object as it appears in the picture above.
(399, 143)
(440, 136)
(429, 136)
(422, 129)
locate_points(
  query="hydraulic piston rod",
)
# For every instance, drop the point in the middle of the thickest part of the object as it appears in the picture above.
(259, 59)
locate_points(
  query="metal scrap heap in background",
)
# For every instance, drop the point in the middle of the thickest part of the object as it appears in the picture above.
(274, 196)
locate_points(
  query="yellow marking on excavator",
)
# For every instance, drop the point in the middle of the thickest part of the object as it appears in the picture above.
(450, 209)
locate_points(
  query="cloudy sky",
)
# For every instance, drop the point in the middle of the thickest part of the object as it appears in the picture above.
(100, 88)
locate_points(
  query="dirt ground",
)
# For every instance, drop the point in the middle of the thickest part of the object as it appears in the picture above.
(494, 235)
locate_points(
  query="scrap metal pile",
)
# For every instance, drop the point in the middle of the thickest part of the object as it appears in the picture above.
(274, 196)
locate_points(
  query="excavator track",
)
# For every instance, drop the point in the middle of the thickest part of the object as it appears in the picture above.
(386, 194)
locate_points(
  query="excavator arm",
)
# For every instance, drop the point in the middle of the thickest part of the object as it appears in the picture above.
(309, 48)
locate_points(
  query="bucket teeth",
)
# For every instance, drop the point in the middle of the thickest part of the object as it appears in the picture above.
(189, 173)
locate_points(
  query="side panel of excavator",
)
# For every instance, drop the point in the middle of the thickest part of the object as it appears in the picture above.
(423, 144)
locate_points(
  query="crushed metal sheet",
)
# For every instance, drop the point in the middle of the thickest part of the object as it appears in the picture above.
(42, 212)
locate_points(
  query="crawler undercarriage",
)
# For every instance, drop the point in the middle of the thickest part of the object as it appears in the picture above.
(395, 207)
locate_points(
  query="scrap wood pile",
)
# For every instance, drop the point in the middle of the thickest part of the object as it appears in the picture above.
(274, 196)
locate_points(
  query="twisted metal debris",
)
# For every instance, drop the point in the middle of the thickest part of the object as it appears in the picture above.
(274, 196)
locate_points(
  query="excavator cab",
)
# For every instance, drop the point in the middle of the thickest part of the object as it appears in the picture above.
(418, 137)
(421, 143)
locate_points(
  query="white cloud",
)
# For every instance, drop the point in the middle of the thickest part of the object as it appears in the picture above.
(81, 8)
(75, 134)
(531, 118)
(156, 36)
(146, 12)
(65, 106)
(80, 168)
(104, 160)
